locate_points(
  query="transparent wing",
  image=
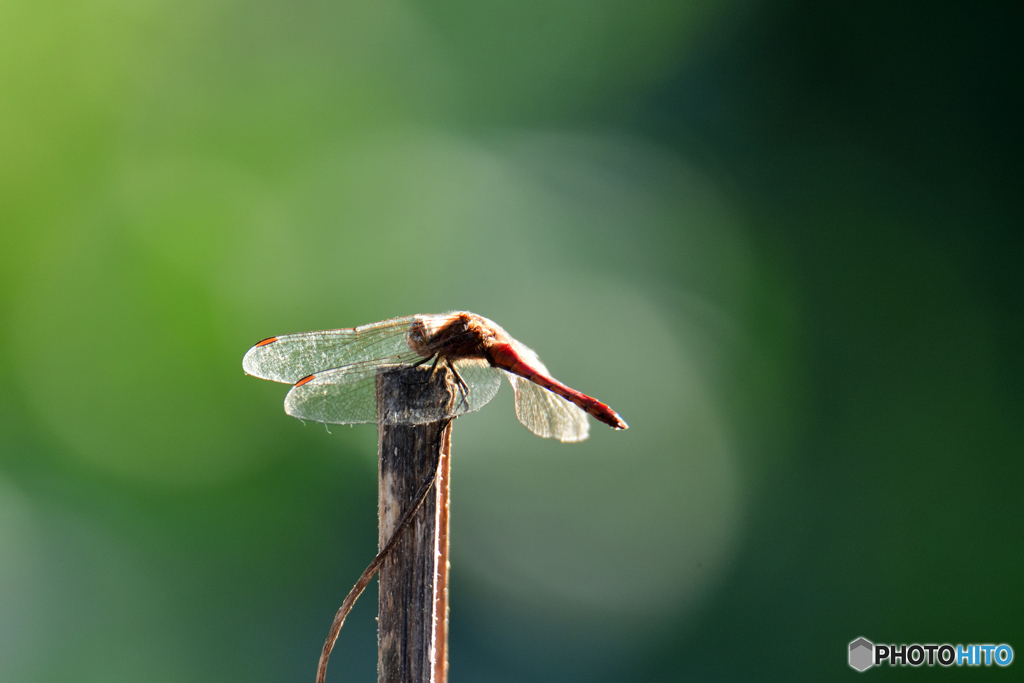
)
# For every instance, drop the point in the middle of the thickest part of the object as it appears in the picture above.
(348, 395)
(483, 381)
(542, 412)
(547, 414)
(291, 357)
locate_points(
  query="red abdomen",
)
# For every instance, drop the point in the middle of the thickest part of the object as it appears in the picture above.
(504, 356)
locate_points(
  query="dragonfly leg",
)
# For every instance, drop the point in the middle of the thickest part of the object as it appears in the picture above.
(433, 367)
(421, 361)
(463, 387)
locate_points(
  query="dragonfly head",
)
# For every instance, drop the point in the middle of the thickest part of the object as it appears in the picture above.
(418, 337)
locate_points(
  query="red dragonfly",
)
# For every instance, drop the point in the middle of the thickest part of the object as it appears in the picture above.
(334, 372)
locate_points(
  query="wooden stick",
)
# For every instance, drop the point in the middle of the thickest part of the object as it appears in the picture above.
(413, 604)
(404, 390)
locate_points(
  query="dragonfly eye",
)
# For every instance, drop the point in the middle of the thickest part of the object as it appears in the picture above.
(418, 338)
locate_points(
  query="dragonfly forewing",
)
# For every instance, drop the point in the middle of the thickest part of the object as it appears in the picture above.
(291, 357)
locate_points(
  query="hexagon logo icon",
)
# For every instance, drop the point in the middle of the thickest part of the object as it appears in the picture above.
(862, 654)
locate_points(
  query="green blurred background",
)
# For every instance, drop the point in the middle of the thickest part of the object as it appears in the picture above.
(783, 240)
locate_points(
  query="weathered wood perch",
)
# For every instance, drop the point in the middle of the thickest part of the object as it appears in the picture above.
(413, 468)
(412, 638)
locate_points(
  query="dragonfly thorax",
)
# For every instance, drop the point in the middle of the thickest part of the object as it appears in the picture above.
(458, 335)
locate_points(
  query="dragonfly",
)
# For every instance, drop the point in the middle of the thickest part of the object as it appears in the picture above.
(333, 373)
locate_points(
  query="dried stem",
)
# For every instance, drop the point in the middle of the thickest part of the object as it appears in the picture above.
(364, 580)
